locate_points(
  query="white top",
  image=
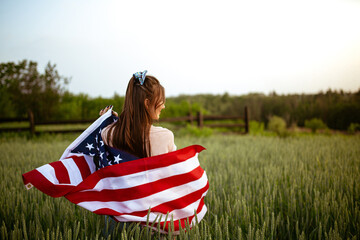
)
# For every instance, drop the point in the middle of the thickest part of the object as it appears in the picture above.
(161, 140)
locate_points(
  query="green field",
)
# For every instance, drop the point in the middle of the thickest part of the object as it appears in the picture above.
(304, 187)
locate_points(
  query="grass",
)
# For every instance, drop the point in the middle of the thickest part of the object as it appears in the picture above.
(304, 187)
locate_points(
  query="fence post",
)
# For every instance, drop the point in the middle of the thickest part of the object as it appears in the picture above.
(191, 119)
(246, 118)
(32, 122)
(200, 119)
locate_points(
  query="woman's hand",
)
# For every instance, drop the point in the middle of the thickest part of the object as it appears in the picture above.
(103, 111)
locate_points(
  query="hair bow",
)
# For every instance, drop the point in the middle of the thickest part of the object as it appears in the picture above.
(140, 76)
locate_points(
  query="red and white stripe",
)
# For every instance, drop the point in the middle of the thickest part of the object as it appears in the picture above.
(172, 183)
(59, 178)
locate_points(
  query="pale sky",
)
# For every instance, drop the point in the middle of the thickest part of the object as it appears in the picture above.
(190, 46)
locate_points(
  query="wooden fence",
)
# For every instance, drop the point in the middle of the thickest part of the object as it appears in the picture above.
(199, 119)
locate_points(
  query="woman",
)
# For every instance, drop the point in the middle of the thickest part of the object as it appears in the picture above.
(134, 132)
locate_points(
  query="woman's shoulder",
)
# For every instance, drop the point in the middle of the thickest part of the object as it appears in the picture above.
(105, 132)
(156, 130)
(106, 129)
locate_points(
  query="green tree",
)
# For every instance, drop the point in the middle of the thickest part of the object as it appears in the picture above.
(277, 125)
(30, 91)
(315, 124)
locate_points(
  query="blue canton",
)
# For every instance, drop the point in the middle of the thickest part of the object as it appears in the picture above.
(103, 155)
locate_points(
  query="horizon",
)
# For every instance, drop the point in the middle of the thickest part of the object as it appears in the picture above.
(337, 91)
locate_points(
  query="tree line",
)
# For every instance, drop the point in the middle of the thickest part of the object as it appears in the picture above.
(23, 89)
(337, 109)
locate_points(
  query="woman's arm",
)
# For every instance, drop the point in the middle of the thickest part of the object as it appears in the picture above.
(161, 140)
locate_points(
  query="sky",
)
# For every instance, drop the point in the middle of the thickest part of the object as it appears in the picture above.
(192, 47)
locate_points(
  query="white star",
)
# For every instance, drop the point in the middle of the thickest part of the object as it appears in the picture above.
(109, 163)
(101, 155)
(96, 138)
(92, 154)
(102, 143)
(100, 130)
(117, 159)
(89, 146)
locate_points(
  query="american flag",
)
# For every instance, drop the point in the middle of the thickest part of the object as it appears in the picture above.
(108, 181)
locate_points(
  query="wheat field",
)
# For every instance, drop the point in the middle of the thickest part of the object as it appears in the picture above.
(304, 187)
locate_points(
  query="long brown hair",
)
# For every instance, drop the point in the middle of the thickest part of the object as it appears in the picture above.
(131, 132)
